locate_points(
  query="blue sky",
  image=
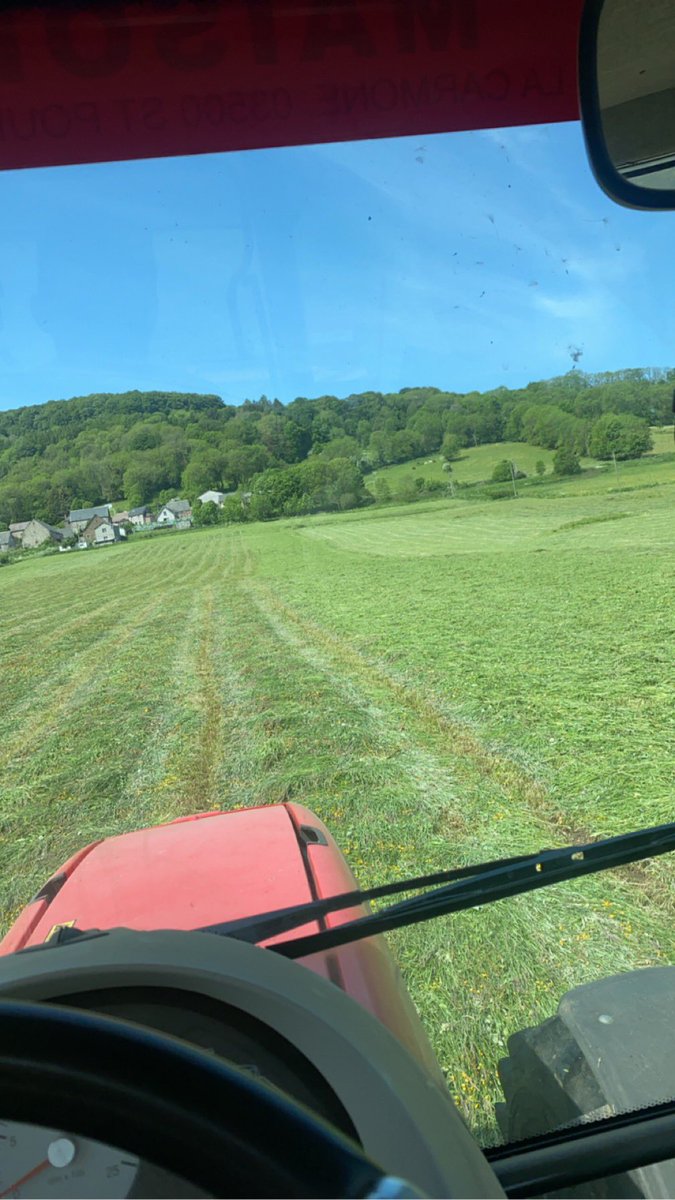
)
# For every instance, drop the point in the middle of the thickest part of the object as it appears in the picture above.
(462, 261)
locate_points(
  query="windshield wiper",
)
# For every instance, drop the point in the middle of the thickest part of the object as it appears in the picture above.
(464, 887)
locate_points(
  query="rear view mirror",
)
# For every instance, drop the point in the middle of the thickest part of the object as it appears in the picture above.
(627, 91)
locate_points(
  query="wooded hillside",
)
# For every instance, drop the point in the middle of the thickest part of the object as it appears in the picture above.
(144, 447)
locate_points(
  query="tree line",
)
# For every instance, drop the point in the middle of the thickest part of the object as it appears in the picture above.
(310, 454)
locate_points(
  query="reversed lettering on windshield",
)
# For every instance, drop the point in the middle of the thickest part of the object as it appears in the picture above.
(78, 86)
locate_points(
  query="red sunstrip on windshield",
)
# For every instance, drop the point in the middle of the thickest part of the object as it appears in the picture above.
(99, 82)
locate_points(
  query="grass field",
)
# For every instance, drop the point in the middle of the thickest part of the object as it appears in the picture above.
(663, 439)
(474, 465)
(442, 683)
(478, 463)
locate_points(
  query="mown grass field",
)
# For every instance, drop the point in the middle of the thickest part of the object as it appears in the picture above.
(442, 683)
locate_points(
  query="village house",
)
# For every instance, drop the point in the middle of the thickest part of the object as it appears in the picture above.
(101, 532)
(212, 497)
(7, 540)
(16, 528)
(38, 533)
(140, 516)
(79, 518)
(119, 518)
(175, 512)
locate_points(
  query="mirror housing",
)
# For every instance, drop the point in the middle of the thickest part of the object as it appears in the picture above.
(627, 99)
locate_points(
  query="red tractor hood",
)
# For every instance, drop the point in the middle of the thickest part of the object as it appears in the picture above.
(196, 871)
(212, 867)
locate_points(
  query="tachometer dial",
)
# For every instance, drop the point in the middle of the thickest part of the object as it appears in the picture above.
(38, 1162)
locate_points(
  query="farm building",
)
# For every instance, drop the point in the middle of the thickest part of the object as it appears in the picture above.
(119, 518)
(140, 516)
(7, 540)
(101, 532)
(16, 528)
(38, 533)
(79, 518)
(174, 512)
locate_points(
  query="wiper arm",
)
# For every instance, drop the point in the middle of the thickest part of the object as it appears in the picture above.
(281, 920)
(465, 887)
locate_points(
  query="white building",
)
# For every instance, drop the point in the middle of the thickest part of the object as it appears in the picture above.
(140, 516)
(213, 498)
(174, 511)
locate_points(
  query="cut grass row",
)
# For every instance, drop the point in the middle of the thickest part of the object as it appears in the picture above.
(426, 679)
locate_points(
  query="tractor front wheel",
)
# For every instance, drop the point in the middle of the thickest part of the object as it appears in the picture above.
(609, 1049)
(547, 1084)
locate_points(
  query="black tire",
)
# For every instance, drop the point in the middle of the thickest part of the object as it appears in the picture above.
(547, 1083)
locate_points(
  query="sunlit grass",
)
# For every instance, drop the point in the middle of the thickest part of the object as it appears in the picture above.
(474, 464)
(663, 439)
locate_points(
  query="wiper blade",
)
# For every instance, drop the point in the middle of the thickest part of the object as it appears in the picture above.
(465, 887)
(281, 920)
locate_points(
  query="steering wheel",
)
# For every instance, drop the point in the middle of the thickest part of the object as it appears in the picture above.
(174, 1106)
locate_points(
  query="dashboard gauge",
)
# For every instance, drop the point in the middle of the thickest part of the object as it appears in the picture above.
(37, 1162)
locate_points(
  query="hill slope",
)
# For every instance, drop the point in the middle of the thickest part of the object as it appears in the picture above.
(143, 447)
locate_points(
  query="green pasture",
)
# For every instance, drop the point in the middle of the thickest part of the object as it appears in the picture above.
(663, 439)
(476, 465)
(473, 466)
(442, 683)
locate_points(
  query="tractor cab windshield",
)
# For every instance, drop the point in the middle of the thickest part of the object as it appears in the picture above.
(336, 485)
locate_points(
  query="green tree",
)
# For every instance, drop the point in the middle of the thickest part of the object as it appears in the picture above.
(566, 462)
(450, 447)
(203, 473)
(341, 447)
(143, 436)
(15, 504)
(326, 424)
(407, 491)
(503, 472)
(513, 430)
(261, 508)
(540, 466)
(381, 489)
(344, 487)
(297, 442)
(619, 435)
(206, 514)
(428, 428)
(234, 511)
(146, 477)
(307, 487)
(270, 431)
(405, 445)
(242, 463)
(379, 448)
